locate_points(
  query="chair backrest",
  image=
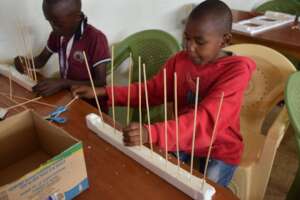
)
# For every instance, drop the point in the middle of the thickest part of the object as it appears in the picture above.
(266, 87)
(292, 99)
(285, 6)
(154, 47)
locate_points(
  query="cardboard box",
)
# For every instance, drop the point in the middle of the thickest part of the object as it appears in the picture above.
(39, 161)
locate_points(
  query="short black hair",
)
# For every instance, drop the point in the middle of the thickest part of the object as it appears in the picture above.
(73, 4)
(217, 12)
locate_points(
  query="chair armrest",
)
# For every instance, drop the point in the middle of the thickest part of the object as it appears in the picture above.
(278, 128)
(264, 165)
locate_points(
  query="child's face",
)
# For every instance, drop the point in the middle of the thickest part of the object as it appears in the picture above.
(63, 23)
(203, 42)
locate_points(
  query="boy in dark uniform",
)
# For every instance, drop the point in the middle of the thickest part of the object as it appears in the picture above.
(70, 36)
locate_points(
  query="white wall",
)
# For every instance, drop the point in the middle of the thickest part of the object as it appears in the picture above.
(116, 18)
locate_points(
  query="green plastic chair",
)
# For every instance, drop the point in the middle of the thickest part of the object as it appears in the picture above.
(154, 47)
(285, 6)
(292, 99)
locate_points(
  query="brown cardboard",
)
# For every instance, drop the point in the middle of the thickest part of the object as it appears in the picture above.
(27, 142)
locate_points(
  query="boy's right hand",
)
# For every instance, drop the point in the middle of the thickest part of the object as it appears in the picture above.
(87, 92)
(131, 134)
(20, 63)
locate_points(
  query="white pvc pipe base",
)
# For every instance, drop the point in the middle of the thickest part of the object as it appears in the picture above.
(193, 186)
(21, 79)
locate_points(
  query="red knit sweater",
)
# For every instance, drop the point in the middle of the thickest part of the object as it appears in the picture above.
(228, 74)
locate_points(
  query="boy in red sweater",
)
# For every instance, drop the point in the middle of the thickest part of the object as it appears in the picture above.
(207, 31)
(70, 36)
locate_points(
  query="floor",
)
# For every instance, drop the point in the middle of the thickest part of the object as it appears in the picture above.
(284, 168)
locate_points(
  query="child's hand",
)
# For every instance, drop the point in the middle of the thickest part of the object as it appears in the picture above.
(87, 92)
(131, 135)
(20, 63)
(50, 86)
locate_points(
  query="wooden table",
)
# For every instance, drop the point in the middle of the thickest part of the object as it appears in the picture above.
(283, 39)
(112, 175)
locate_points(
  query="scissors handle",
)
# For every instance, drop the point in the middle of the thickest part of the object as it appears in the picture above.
(58, 120)
(58, 111)
(54, 116)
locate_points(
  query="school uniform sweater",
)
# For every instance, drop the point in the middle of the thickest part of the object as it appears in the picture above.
(227, 74)
(70, 52)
